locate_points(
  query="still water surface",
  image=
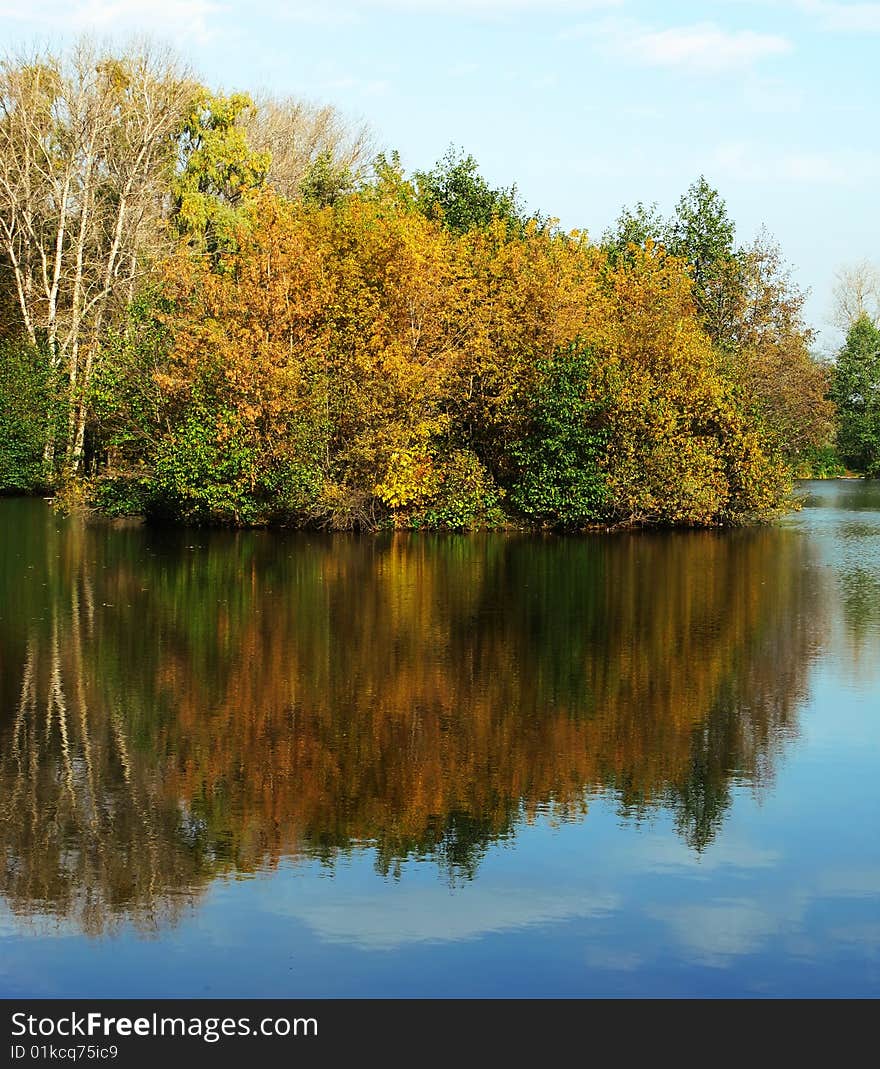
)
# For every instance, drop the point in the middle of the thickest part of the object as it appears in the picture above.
(270, 764)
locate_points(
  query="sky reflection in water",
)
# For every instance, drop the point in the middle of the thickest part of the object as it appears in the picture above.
(483, 765)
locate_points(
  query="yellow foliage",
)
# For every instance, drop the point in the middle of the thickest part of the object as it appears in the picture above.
(411, 479)
(369, 345)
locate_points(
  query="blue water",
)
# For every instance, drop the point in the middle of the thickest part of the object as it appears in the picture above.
(503, 766)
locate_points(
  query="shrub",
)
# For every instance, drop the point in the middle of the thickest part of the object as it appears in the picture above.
(467, 497)
(559, 475)
(25, 399)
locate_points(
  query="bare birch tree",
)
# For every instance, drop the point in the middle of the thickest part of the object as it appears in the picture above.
(856, 293)
(296, 134)
(87, 143)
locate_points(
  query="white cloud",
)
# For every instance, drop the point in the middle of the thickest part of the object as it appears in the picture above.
(488, 6)
(724, 928)
(111, 13)
(663, 854)
(851, 883)
(847, 18)
(348, 12)
(702, 47)
(167, 17)
(833, 16)
(745, 162)
(382, 919)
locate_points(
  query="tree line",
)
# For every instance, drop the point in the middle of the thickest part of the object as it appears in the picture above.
(216, 310)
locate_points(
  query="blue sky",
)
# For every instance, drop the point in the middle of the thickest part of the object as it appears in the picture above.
(585, 104)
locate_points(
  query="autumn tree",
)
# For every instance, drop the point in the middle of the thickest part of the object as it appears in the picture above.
(681, 450)
(523, 296)
(771, 356)
(391, 350)
(751, 309)
(243, 388)
(360, 365)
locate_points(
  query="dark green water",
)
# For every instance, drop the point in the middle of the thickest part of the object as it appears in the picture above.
(260, 763)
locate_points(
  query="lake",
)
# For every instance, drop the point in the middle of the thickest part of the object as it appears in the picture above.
(261, 763)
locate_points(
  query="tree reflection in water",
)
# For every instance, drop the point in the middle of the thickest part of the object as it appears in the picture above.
(180, 705)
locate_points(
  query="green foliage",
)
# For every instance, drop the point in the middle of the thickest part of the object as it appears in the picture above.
(856, 390)
(701, 232)
(198, 474)
(467, 498)
(123, 398)
(456, 193)
(360, 359)
(218, 171)
(560, 479)
(28, 405)
(209, 471)
(822, 462)
(634, 226)
(120, 495)
(325, 181)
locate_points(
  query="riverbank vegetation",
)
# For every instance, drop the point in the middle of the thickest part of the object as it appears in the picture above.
(218, 312)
